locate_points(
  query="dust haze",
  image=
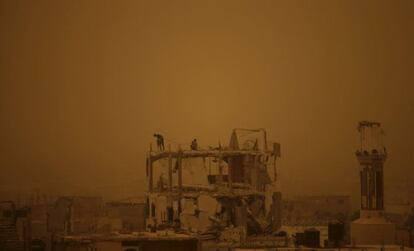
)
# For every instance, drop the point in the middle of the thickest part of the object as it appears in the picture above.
(85, 84)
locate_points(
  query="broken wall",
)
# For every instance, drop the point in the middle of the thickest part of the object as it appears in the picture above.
(197, 212)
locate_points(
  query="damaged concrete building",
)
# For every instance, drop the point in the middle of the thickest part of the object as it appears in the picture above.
(227, 194)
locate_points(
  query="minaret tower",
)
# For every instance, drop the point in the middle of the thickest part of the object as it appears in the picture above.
(371, 157)
(372, 227)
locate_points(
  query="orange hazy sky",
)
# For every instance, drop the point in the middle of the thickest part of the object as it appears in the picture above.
(85, 84)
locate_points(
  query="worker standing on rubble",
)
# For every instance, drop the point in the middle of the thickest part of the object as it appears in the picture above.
(160, 141)
(194, 145)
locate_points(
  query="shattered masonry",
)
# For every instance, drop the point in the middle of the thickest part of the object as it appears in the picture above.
(223, 193)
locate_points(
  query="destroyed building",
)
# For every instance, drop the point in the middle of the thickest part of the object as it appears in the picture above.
(213, 198)
(224, 193)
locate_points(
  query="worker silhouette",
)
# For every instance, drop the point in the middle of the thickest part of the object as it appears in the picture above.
(160, 141)
(194, 145)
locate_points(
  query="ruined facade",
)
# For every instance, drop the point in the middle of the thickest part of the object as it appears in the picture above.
(222, 193)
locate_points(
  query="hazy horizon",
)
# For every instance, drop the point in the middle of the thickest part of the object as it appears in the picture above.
(85, 84)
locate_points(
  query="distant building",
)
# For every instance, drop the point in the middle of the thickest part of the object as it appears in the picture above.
(77, 215)
(14, 228)
(40, 235)
(315, 210)
(305, 213)
(132, 215)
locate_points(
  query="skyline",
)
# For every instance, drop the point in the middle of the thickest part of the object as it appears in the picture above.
(85, 85)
